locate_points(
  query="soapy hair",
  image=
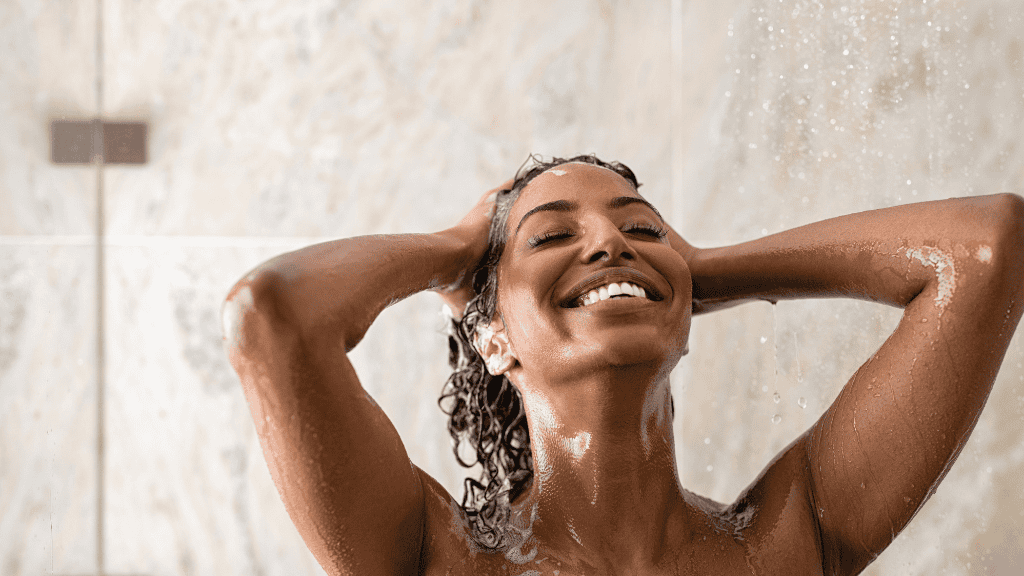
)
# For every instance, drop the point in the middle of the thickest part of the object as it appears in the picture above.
(486, 413)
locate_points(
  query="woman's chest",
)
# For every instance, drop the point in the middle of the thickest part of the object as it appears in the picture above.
(721, 556)
(791, 551)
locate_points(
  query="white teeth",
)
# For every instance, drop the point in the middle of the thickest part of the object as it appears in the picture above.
(613, 289)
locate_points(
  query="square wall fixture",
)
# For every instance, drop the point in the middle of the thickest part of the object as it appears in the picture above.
(78, 141)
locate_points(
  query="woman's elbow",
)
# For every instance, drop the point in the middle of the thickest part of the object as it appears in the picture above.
(1007, 253)
(251, 304)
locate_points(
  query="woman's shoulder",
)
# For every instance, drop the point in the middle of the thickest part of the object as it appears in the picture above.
(775, 517)
(448, 546)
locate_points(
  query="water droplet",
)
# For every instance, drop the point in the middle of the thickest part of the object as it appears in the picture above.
(777, 398)
(776, 419)
(801, 402)
(764, 339)
(710, 467)
(707, 440)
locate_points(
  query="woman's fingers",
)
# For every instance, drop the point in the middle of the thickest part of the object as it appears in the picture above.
(473, 231)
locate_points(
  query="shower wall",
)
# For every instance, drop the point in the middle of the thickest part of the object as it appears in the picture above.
(126, 446)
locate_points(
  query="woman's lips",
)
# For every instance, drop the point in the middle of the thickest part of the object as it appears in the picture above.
(604, 279)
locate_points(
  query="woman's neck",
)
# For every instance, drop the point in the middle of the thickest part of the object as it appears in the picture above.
(605, 481)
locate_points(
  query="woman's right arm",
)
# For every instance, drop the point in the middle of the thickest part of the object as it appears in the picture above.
(332, 292)
(337, 461)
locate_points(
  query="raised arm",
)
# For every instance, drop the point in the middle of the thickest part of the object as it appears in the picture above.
(957, 269)
(338, 462)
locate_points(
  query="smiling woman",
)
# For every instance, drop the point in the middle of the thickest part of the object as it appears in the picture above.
(486, 411)
(575, 301)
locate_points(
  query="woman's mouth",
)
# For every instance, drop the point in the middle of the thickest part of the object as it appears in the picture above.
(612, 290)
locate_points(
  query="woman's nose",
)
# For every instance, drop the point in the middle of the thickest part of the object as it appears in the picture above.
(606, 242)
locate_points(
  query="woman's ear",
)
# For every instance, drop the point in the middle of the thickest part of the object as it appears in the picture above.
(491, 342)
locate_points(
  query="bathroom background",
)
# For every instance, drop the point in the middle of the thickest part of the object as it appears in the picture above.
(126, 446)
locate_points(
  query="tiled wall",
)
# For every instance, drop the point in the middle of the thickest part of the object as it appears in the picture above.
(275, 124)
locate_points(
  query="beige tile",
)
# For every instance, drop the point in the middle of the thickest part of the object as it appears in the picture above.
(829, 117)
(315, 120)
(47, 410)
(48, 70)
(737, 410)
(189, 492)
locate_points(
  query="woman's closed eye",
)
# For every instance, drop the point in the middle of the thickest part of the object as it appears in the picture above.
(548, 236)
(646, 229)
(641, 228)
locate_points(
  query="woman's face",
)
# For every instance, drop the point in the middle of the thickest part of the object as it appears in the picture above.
(577, 228)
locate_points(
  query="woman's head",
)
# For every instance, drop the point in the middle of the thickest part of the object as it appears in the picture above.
(565, 227)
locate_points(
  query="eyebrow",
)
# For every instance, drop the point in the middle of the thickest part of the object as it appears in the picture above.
(568, 206)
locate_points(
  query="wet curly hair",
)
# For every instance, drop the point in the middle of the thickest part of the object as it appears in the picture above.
(486, 413)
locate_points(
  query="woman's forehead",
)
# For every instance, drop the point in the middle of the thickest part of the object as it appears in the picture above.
(572, 181)
(563, 169)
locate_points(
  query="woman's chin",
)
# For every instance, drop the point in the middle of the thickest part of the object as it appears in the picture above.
(637, 345)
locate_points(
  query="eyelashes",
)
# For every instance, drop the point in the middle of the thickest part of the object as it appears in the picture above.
(643, 228)
(545, 237)
(649, 229)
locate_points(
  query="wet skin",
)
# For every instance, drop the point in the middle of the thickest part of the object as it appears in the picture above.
(606, 497)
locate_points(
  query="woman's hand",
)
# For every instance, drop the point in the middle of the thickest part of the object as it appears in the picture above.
(472, 232)
(690, 255)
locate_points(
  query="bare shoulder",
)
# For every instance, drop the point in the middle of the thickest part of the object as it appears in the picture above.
(448, 545)
(775, 518)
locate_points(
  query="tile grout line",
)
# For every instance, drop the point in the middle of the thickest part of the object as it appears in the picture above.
(100, 295)
(676, 100)
(676, 147)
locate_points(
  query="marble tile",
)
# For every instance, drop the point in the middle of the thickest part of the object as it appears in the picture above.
(737, 411)
(402, 363)
(48, 409)
(48, 70)
(189, 492)
(320, 119)
(825, 114)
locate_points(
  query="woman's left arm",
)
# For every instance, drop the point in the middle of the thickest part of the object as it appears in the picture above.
(957, 268)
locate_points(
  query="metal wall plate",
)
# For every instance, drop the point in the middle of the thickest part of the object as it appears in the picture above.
(79, 141)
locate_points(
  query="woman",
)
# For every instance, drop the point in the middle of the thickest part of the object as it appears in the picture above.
(589, 484)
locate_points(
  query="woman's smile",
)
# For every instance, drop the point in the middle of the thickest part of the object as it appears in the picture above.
(619, 282)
